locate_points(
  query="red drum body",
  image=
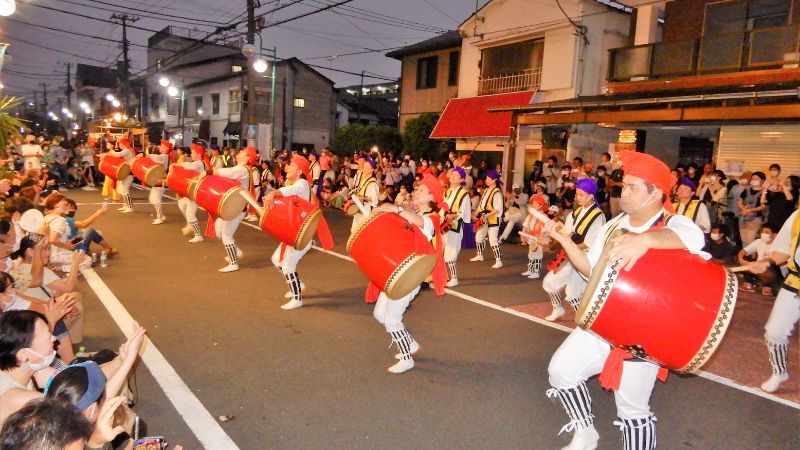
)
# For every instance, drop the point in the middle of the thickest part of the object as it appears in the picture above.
(114, 167)
(220, 196)
(181, 181)
(350, 208)
(675, 321)
(148, 171)
(292, 221)
(383, 248)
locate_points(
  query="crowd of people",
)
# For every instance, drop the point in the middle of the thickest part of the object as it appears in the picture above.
(564, 210)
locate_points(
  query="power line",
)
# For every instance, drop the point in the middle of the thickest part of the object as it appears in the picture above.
(376, 50)
(99, 19)
(144, 13)
(56, 50)
(444, 13)
(69, 31)
(385, 19)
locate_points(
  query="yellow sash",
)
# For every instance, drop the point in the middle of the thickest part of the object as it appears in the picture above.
(488, 204)
(691, 208)
(455, 208)
(587, 219)
(792, 282)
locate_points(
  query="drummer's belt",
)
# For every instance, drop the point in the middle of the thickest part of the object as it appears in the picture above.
(560, 257)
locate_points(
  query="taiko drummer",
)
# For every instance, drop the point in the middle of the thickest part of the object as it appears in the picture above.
(582, 355)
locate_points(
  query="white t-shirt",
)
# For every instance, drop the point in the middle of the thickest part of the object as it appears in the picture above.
(299, 188)
(688, 232)
(33, 156)
(48, 277)
(238, 173)
(760, 248)
(59, 225)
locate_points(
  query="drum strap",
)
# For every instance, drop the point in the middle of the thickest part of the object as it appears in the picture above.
(792, 282)
(587, 220)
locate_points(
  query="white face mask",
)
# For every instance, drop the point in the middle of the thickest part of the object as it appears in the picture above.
(46, 360)
(774, 173)
(766, 237)
(715, 236)
(744, 182)
(755, 183)
(712, 179)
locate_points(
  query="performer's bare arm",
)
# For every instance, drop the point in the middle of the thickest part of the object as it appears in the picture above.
(576, 255)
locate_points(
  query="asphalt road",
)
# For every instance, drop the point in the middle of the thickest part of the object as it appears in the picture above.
(315, 378)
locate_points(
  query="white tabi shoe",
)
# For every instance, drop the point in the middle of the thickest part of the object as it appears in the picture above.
(158, 221)
(402, 366)
(477, 258)
(292, 304)
(126, 210)
(122, 208)
(774, 382)
(196, 239)
(534, 276)
(289, 294)
(526, 273)
(250, 218)
(497, 264)
(452, 282)
(584, 439)
(187, 230)
(558, 312)
(229, 268)
(414, 349)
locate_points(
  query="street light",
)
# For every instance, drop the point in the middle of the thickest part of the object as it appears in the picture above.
(260, 65)
(110, 97)
(116, 103)
(163, 81)
(64, 110)
(7, 7)
(84, 105)
(173, 91)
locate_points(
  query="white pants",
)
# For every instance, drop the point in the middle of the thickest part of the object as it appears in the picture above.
(189, 209)
(225, 229)
(65, 261)
(124, 186)
(513, 217)
(452, 244)
(357, 219)
(291, 256)
(554, 281)
(582, 356)
(389, 313)
(156, 195)
(785, 314)
(480, 236)
(535, 251)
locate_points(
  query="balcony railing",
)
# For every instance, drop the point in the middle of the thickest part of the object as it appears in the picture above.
(526, 80)
(766, 48)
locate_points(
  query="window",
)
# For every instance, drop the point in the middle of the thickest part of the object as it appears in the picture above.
(155, 106)
(299, 103)
(198, 105)
(743, 15)
(214, 103)
(236, 68)
(512, 59)
(452, 73)
(172, 106)
(233, 102)
(426, 72)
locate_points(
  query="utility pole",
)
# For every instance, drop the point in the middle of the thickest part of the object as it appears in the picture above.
(251, 75)
(44, 89)
(124, 75)
(68, 91)
(360, 94)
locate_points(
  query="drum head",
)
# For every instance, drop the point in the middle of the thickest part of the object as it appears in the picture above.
(154, 175)
(351, 209)
(411, 273)
(231, 204)
(193, 189)
(123, 171)
(308, 229)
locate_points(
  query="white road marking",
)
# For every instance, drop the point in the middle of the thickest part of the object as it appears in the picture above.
(196, 416)
(702, 374)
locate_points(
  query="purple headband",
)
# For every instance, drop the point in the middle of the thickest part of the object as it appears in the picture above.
(587, 185)
(371, 162)
(688, 182)
(491, 173)
(313, 152)
(460, 172)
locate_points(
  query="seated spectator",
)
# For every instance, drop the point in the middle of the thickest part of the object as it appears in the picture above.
(45, 424)
(722, 251)
(81, 229)
(62, 249)
(761, 248)
(402, 197)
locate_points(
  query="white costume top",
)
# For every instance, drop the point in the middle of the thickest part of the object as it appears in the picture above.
(299, 188)
(197, 166)
(160, 159)
(783, 241)
(702, 220)
(238, 173)
(125, 153)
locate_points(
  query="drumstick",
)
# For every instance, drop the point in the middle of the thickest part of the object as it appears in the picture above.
(360, 205)
(542, 217)
(526, 235)
(250, 200)
(739, 269)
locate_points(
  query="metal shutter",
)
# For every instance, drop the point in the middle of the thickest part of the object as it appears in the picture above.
(757, 146)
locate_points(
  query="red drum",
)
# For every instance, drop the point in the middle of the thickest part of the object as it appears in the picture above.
(148, 171)
(350, 208)
(181, 179)
(383, 248)
(676, 319)
(220, 196)
(291, 220)
(114, 167)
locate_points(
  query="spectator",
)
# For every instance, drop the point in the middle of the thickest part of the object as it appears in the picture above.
(733, 213)
(751, 209)
(56, 207)
(45, 424)
(779, 196)
(722, 251)
(714, 195)
(81, 229)
(32, 152)
(761, 248)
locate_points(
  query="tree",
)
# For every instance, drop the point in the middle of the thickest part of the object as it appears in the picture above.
(358, 138)
(417, 141)
(9, 125)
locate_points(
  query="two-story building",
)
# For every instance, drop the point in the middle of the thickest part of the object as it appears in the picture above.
(697, 81)
(212, 96)
(429, 75)
(515, 53)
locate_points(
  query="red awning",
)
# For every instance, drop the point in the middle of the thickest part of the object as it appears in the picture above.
(468, 117)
